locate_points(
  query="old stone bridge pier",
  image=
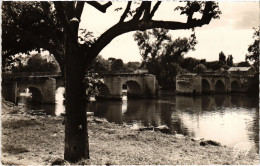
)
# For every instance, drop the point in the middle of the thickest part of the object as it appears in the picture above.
(43, 86)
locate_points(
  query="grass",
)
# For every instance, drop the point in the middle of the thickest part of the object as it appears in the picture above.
(14, 150)
(21, 124)
(40, 140)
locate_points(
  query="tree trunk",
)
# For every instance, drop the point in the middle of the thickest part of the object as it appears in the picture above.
(76, 135)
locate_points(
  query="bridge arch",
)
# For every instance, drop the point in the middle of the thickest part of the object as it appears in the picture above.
(133, 88)
(235, 87)
(36, 94)
(205, 86)
(220, 87)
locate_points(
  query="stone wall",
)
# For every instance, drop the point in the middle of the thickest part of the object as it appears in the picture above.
(44, 85)
(188, 84)
(143, 85)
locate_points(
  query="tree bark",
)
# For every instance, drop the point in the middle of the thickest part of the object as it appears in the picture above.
(76, 135)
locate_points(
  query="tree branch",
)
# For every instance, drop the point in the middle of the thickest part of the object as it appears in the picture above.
(100, 7)
(139, 12)
(147, 8)
(126, 11)
(156, 6)
(79, 9)
(69, 8)
(207, 12)
(129, 26)
(60, 13)
(133, 25)
(34, 38)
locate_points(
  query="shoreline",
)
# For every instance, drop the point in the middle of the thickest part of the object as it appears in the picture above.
(35, 140)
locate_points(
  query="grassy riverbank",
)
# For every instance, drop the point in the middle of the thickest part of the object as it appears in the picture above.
(38, 140)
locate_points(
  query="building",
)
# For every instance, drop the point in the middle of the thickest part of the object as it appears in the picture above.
(242, 71)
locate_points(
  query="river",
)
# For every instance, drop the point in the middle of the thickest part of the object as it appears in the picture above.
(228, 119)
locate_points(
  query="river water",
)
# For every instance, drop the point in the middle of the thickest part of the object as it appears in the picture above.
(228, 119)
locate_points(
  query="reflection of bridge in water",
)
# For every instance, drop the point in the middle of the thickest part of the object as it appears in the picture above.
(44, 85)
(189, 115)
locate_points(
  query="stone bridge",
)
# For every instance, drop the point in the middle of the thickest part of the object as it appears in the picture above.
(211, 83)
(44, 85)
(137, 85)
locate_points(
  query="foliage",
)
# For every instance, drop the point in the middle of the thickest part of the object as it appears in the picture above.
(222, 58)
(253, 49)
(92, 84)
(33, 63)
(28, 25)
(243, 64)
(161, 54)
(254, 86)
(200, 68)
(117, 65)
(214, 65)
(132, 65)
(230, 60)
(195, 6)
(189, 63)
(99, 64)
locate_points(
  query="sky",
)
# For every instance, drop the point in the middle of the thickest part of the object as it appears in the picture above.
(232, 33)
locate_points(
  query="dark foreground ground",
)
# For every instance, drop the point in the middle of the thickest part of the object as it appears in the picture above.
(38, 140)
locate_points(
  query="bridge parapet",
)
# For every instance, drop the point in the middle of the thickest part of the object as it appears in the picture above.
(30, 74)
(121, 73)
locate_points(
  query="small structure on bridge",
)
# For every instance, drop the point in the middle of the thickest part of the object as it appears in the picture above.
(242, 71)
(236, 79)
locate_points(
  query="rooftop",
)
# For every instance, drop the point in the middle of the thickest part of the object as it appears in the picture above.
(239, 68)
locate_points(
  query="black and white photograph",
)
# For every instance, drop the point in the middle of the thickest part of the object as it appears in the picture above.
(130, 82)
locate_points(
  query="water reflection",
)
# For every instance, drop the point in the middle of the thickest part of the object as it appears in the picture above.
(229, 119)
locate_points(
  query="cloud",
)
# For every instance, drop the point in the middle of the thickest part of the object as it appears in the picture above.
(240, 15)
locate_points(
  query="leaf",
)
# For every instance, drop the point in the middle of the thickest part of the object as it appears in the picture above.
(118, 9)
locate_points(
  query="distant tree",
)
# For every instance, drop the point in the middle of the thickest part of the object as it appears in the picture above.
(111, 59)
(253, 49)
(36, 63)
(99, 64)
(117, 65)
(167, 77)
(244, 64)
(132, 65)
(253, 55)
(189, 63)
(225, 67)
(161, 53)
(200, 68)
(230, 60)
(214, 65)
(203, 61)
(222, 58)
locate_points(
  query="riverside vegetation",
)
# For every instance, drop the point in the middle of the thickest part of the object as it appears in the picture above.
(35, 140)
